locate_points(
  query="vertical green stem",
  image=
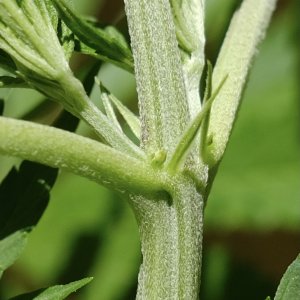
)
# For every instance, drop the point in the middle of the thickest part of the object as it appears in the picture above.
(171, 236)
(88, 112)
(160, 83)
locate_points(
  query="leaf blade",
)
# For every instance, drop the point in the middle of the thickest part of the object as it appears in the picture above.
(11, 248)
(109, 110)
(191, 131)
(132, 120)
(24, 196)
(107, 45)
(57, 292)
(289, 287)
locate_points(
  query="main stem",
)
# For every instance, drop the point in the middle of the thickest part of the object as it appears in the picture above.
(171, 237)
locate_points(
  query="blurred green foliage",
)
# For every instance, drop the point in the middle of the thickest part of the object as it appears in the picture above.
(88, 231)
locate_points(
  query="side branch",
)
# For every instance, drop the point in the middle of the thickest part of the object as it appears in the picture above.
(247, 29)
(80, 155)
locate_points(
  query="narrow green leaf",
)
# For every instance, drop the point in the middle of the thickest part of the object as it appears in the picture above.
(289, 287)
(24, 195)
(10, 249)
(109, 110)
(131, 119)
(189, 135)
(58, 292)
(109, 46)
(85, 49)
(108, 131)
(12, 82)
(160, 83)
(246, 30)
(66, 38)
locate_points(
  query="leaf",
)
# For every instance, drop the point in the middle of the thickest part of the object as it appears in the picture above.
(66, 38)
(57, 292)
(246, 30)
(24, 196)
(108, 45)
(85, 49)
(289, 287)
(10, 249)
(109, 110)
(131, 119)
(190, 133)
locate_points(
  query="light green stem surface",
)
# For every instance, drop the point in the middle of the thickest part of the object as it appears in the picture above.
(246, 30)
(83, 156)
(113, 135)
(171, 236)
(160, 83)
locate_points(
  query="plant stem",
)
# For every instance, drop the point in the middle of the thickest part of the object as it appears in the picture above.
(246, 30)
(162, 97)
(95, 118)
(171, 237)
(83, 156)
